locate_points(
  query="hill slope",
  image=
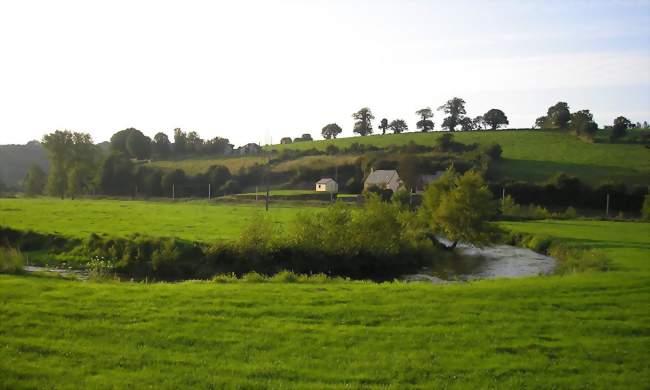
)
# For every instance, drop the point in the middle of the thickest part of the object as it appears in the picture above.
(15, 161)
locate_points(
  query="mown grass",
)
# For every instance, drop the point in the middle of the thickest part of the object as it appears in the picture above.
(193, 221)
(586, 330)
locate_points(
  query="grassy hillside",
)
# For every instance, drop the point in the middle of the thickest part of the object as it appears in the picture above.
(578, 331)
(194, 221)
(528, 155)
(200, 165)
(15, 161)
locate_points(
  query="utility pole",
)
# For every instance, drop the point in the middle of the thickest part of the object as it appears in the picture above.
(503, 196)
(173, 192)
(607, 207)
(209, 191)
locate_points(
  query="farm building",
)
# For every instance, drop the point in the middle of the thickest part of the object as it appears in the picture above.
(250, 149)
(425, 180)
(327, 185)
(384, 179)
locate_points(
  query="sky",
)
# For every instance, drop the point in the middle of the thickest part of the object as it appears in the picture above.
(256, 71)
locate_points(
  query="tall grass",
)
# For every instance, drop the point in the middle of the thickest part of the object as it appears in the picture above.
(11, 261)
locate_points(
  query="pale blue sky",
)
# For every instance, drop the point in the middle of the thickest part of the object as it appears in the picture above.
(252, 70)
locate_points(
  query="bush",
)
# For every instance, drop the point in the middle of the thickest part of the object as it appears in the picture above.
(254, 277)
(285, 277)
(225, 278)
(11, 261)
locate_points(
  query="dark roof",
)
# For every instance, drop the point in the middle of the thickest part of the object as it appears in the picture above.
(381, 176)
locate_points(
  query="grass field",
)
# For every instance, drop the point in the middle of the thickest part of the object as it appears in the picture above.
(200, 165)
(578, 331)
(194, 221)
(531, 155)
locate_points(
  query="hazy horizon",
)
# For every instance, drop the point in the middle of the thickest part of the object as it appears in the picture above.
(249, 71)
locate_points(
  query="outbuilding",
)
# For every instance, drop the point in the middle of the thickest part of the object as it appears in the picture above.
(384, 179)
(327, 185)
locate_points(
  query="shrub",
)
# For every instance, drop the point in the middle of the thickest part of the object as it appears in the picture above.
(645, 209)
(225, 278)
(100, 267)
(285, 277)
(254, 277)
(11, 260)
(570, 213)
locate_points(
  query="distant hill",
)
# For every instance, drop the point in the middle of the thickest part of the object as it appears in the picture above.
(15, 161)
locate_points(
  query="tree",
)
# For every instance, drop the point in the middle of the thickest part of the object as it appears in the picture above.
(466, 124)
(455, 109)
(460, 208)
(541, 122)
(479, 123)
(180, 142)
(161, 146)
(138, 145)
(582, 122)
(398, 126)
(35, 181)
(383, 125)
(495, 118)
(306, 137)
(425, 123)
(559, 115)
(194, 142)
(285, 140)
(115, 175)
(218, 176)
(621, 124)
(363, 124)
(173, 181)
(331, 131)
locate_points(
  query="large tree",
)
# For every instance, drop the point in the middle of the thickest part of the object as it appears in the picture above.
(363, 124)
(383, 125)
(138, 145)
(398, 126)
(466, 124)
(161, 147)
(331, 131)
(460, 208)
(72, 161)
(455, 110)
(180, 142)
(425, 123)
(495, 118)
(479, 123)
(559, 115)
(621, 124)
(582, 122)
(35, 181)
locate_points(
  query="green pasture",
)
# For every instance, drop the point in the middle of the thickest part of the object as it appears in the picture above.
(588, 330)
(192, 220)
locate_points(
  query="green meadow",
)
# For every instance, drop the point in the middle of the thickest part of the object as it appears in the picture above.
(588, 330)
(199, 221)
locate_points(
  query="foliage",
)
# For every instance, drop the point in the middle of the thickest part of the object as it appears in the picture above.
(331, 130)
(363, 124)
(645, 209)
(460, 208)
(582, 122)
(11, 260)
(621, 124)
(495, 118)
(161, 147)
(72, 159)
(398, 126)
(455, 109)
(35, 181)
(383, 125)
(425, 123)
(559, 115)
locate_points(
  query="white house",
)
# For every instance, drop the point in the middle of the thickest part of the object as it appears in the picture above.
(327, 185)
(384, 179)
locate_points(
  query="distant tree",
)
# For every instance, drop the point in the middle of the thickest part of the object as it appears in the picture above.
(180, 142)
(218, 176)
(383, 125)
(466, 124)
(230, 187)
(460, 208)
(35, 181)
(582, 122)
(68, 151)
(559, 115)
(306, 137)
(115, 175)
(331, 131)
(621, 124)
(495, 118)
(161, 146)
(138, 145)
(398, 126)
(645, 124)
(479, 123)
(363, 124)
(425, 123)
(408, 170)
(173, 181)
(541, 122)
(118, 141)
(455, 110)
(285, 140)
(217, 145)
(194, 142)
(332, 150)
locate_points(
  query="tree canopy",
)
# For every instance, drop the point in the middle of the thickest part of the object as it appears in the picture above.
(455, 110)
(383, 125)
(425, 123)
(495, 118)
(621, 124)
(331, 131)
(363, 124)
(398, 126)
